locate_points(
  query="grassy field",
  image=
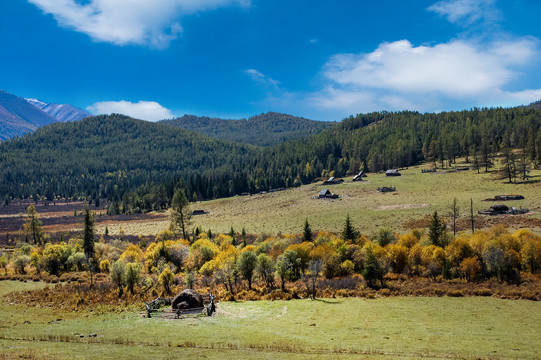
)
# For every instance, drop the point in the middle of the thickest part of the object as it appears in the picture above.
(418, 195)
(400, 327)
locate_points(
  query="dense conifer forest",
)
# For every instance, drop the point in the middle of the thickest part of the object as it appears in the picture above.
(267, 129)
(137, 165)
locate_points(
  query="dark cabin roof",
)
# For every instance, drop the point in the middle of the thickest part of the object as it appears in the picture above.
(392, 172)
(324, 192)
(360, 175)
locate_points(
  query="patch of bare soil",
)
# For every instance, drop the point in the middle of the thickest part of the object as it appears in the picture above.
(73, 223)
(11, 225)
(400, 206)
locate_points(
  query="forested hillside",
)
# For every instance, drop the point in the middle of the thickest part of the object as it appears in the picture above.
(264, 130)
(536, 105)
(405, 138)
(107, 156)
(137, 164)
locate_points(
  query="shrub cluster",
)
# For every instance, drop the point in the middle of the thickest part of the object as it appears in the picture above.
(329, 264)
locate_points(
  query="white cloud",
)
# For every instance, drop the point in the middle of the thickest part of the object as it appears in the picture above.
(144, 110)
(398, 75)
(465, 11)
(261, 78)
(121, 22)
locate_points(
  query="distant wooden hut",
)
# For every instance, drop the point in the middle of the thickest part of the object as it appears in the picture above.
(359, 176)
(503, 209)
(333, 181)
(326, 194)
(505, 198)
(392, 172)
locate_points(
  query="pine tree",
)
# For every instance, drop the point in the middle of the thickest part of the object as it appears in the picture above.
(88, 240)
(180, 213)
(508, 169)
(523, 164)
(471, 216)
(307, 233)
(454, 213)
(33, 224)
(243, 236)
(349, 232)
(436, 230)
(233, 236)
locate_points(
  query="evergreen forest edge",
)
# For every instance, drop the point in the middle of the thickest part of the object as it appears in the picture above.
(137, 165)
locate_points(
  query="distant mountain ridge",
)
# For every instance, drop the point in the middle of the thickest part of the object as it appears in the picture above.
(266, 129)
(19, 116)
(61, 112)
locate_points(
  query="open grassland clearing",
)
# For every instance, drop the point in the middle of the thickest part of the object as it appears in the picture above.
(417, 196)
(397, 327)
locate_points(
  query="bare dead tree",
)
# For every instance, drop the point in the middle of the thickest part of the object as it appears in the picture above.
(471, 216)
(454, 214)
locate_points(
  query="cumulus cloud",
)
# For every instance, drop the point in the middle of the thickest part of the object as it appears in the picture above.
(261, 78)
(465, 11)
(144, 110)
(399, 75)
(122, 22)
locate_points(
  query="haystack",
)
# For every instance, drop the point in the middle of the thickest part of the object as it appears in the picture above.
(187, 299)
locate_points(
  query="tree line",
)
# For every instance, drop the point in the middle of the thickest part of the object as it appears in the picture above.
(137, 166)
(221, 260)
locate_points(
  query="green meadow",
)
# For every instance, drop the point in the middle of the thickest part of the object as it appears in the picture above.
(417, 196)
(382, 328)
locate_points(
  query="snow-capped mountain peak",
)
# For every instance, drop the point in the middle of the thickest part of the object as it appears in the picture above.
(61, 112)
(37, 103)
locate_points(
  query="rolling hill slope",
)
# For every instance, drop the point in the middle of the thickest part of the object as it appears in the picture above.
(263, 130)
(107, 155)
(130, 161)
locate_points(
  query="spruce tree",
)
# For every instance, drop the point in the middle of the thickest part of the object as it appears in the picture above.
(349, 232)
(233, 236)
(88, 240)
(243, 236)
(436, 230)
(472, 219)
(307, 233)
(455, 214)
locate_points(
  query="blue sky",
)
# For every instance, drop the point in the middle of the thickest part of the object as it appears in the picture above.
(320, 59)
